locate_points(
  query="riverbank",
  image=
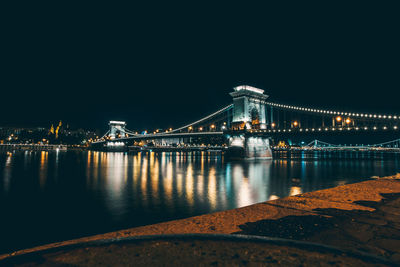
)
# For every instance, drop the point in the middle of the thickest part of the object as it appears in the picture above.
(363, 216)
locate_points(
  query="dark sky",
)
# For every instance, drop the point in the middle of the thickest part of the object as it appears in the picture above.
(162, 65)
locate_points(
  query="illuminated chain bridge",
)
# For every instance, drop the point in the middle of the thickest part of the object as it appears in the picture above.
(249, 125)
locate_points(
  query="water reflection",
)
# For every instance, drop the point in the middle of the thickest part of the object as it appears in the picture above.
(173, 180)
(169, 180)
(7, 172)
(43, 168)
(114, 170)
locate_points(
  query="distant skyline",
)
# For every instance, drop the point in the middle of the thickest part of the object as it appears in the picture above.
(166, 65)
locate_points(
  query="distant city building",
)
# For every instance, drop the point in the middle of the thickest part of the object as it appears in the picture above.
(52, 135)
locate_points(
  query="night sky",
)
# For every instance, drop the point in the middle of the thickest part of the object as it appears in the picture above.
(164, 65)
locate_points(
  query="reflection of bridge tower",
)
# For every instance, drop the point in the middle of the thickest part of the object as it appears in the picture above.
(117, 128)
(248, 107)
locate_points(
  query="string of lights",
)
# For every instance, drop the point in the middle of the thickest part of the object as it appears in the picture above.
(325, 129)
(331, 112)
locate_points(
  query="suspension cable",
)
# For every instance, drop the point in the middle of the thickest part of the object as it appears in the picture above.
(203, 119)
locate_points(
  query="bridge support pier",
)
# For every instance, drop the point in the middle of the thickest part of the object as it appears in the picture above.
(242, 146)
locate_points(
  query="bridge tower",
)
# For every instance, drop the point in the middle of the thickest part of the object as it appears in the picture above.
(117, 128)
(248, 108)
(249, 112)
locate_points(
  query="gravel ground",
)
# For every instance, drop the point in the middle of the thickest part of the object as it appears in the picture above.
(178, 252)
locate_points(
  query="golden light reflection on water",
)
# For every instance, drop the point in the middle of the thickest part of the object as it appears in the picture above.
(43, 168)
(202, 162)
(89, 158)
(212, 187)
(154, 177)
(135, 171)
(179, 181)
(96, 156)
(143, 176)
(189, 184)
(168, 180)
(200, 185)
(114, 171)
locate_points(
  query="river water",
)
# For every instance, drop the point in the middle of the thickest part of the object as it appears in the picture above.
(53, 196)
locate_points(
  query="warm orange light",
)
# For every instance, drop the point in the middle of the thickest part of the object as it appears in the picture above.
(338, 118)
(273, 124)
(348, 120)
(213, 126)
(201, 128)
(281, 144)
(295, 123)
